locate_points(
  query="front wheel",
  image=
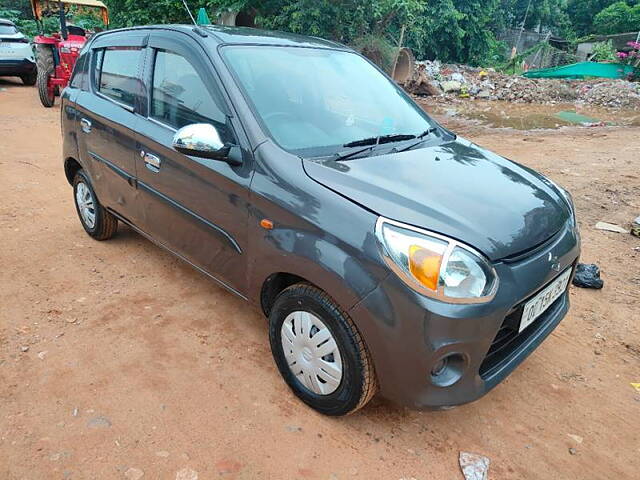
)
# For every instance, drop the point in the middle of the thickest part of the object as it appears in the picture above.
(319, 351)
(96, 220)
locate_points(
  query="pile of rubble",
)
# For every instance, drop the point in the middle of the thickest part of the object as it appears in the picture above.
(616, 94)
(436, 79)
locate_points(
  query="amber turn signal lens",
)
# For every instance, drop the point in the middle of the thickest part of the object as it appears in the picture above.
(424, 265)
(266, 224)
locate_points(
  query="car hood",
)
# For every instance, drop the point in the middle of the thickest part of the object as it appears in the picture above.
(456, 189)
(7, 37)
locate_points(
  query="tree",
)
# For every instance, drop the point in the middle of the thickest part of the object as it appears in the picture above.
(583, 12)
(21, 6)
(128, 13)
(617, 18)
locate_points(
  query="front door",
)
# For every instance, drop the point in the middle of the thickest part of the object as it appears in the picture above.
(196, 207)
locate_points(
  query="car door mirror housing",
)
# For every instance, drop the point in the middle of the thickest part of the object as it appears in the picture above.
(201, 140)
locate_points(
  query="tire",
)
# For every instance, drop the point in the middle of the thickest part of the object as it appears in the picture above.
(357, 384)
(104, 224)
(30, 79)
(45, 70)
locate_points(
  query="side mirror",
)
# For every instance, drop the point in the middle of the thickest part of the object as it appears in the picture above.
(201, 140)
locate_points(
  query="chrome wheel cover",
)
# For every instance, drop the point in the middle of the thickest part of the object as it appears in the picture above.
(86, 206)
(311, 352)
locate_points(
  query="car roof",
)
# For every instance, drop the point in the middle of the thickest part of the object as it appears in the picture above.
(246, 35)
(4, 21)
(220, 34)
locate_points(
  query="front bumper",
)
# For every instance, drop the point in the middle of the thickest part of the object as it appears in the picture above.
(407, 333)
(16, 66)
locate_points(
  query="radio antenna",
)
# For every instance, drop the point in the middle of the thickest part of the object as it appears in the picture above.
(189, 12)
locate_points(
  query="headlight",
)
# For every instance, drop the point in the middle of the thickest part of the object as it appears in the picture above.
(435, 265)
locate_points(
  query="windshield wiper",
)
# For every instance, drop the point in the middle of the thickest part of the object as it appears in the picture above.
(343, 156)
(379, 140)
(420, 138)
(372, 142)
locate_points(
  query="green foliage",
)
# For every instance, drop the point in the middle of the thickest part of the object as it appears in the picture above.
(28, 26)
(617, 18)
(128, 13)
(548, 13)
(604, 51)
(20, 14)
(23, 7)
(86, 20)
(378, 49)
(450, 30)
(583, 14)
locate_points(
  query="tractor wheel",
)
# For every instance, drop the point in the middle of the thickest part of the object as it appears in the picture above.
(30, 79)
(45, 71)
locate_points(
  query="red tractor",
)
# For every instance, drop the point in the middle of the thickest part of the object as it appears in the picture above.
(56, 54)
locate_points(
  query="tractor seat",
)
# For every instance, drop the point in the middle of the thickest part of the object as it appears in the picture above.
(74, 30)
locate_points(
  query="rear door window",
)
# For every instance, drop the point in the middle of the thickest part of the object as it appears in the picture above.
(180, 97)
(117, 75)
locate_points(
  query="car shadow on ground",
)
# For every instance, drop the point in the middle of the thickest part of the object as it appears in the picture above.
(127, 237)
(12, 82)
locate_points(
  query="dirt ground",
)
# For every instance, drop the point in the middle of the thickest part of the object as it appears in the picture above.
(117, 359)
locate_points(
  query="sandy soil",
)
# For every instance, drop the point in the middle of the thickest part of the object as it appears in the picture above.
(117, 359)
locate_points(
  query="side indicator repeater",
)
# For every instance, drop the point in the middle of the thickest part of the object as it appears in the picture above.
(266, 224)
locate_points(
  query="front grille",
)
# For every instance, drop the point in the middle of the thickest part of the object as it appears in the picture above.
(508, 341)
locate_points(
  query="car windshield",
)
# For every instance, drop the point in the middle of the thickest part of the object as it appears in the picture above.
(313, 101)
(8, 30)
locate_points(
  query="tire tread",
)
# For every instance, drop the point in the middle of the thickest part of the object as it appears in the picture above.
(45, 68)
(369, 380)
(106, 222)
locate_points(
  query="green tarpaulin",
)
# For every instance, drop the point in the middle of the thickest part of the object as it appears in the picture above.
(583, 70)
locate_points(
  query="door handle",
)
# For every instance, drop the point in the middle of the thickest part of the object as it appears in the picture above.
(85, 125)
(152, 162)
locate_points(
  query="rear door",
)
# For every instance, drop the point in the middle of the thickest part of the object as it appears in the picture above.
(68, 111)
(107, 119)
(196, 207)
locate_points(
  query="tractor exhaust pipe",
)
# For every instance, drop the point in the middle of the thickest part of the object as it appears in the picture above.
(64, 31)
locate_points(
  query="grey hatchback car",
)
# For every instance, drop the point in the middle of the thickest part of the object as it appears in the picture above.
(387, 253)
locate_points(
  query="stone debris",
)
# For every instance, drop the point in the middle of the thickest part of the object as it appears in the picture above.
(436, 79)
(610, 227)
(186, 474)
(133, 474)
(99, 422)
(576, 438)
(474, 466)
(451, 86)
(635, 227)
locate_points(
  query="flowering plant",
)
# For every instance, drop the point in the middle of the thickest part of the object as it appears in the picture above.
(631, 57)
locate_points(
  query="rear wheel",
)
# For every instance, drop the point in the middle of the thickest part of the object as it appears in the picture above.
(96, 220)
(45, 72)
(30, 79)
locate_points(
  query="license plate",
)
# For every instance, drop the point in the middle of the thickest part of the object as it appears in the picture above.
(543, 300)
